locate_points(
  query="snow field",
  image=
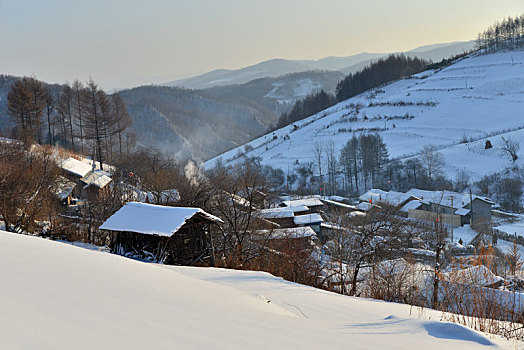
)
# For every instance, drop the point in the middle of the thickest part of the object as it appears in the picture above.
(57, 296)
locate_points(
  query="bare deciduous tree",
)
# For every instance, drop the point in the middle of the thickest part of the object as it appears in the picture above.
(511, 147)
(433, 161)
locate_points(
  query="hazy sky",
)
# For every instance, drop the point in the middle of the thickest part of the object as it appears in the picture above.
(122, 43)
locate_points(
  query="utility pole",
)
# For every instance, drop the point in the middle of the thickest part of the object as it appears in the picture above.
(452, 223)
(471, 207)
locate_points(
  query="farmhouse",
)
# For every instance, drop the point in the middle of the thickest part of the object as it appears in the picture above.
(310, 220)
(88, 180)
(284, 216)
(64, 190)
(313, 203)
(393, 198)
(338, 207)
(288, 239)
(169, 235)
(453, 208)
(93, 184)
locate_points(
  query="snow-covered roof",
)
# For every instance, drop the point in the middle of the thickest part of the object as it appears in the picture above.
(282, 212)
(332, 226)
(354, 214)
(339, 204)
(338, 198)
(374, 195)
(392, 197)
(309, 202)
(283, 233)
(152, 219)
(107, 168)
(476, 275)
(64, 187)
(462, 211)
(275, 214)
(97, 179)
(307, 219)
(414, 204)
(364, 206)
(76, 167)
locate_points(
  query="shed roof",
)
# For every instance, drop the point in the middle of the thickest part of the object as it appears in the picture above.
(281, 212)
(308, 219)
(393, 198)
(153, 219)
(97, 179)
(372, 195)
(285, 233)
(309, 202)
(64, 187)
(76, 167)
(478, 275)
(339, 204)
(462, 211)
(414, 204)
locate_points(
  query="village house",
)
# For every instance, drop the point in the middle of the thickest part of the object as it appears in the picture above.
(392, 198)
(75, 170)
(450, 208)
(94, 183)
(284, 216)
(64, 190)
(169, 235)
(314, 203)
(453, 208)
(310, 220)
(337, 206)
(89, 181)
(287, 239)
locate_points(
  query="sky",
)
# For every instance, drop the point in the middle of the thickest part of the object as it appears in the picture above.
(124, 43)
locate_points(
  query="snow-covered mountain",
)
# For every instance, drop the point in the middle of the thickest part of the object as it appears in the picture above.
(456, 108)
(278, 67)
(57, 296)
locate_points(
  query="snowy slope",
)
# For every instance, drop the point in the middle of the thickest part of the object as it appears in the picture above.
(477, 98)
(57, 296)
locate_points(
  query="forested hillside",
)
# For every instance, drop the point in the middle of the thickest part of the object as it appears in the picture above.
(190, 123)
(274, 96)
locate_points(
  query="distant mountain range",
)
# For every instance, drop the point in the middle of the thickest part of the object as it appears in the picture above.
(236, 105)
(278, 67)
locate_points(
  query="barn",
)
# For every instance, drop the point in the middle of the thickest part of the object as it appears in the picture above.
(156, 233)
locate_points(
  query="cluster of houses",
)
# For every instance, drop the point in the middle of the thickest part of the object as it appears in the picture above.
(447, 207)
(182, 235)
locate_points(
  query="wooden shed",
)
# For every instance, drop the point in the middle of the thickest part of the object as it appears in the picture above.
(169, 235)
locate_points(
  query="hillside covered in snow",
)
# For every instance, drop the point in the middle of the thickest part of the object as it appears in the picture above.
(456, 108)
(57, 296)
